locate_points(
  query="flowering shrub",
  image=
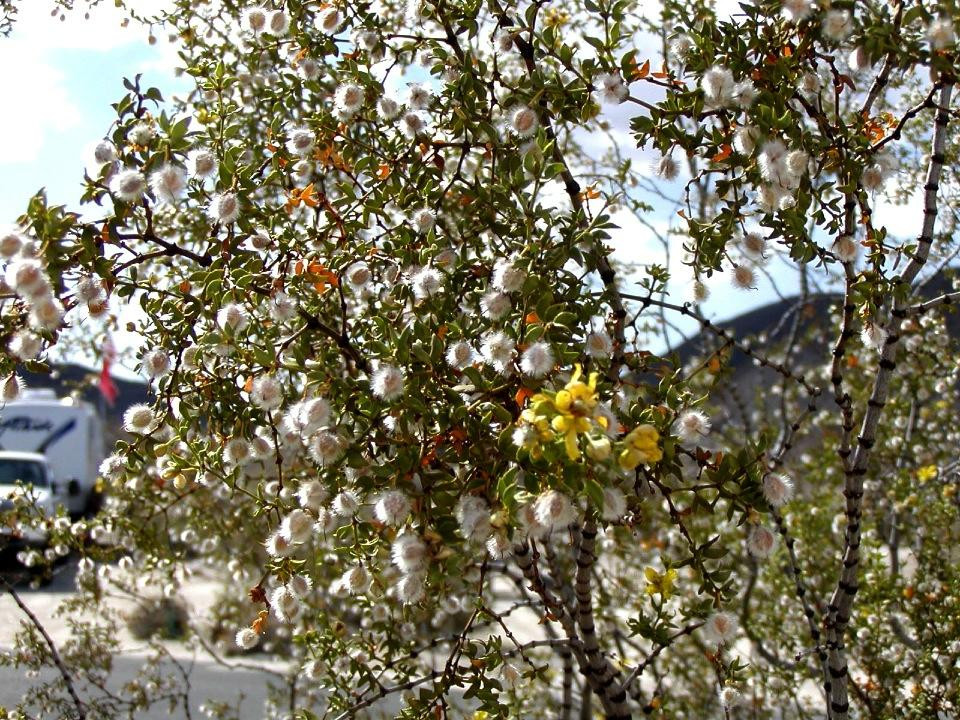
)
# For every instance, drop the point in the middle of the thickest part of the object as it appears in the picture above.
(418, 423)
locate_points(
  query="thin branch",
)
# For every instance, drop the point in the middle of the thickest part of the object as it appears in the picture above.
(638, 670)
(384, 692)
(841, 601)
(947, 299)
(721, 332)
(64, 673)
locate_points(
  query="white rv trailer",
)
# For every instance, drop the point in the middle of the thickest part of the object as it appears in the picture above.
(68, 432)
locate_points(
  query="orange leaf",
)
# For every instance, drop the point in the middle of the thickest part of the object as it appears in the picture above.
(532, 318)
(321, 276)
(639, 73)
(429, 457)
(307, 196)
(458, 435)
(787, 51)
(523, 394)
(248, 385)
(260, 623)
(591, 193)
(725, 151)
(383, 172)
(663, 72)
(298, 268)
(442, 331)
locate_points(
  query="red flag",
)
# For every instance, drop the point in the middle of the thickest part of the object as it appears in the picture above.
(108, 388)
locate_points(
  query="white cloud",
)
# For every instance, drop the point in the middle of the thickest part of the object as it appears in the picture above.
(43, 97)
(39, 104)
(901, 221)
(101, 29)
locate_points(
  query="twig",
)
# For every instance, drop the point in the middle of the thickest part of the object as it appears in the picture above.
(946, 299)
(721, 332)
(638, 670)
(841, 601)
(64, 673)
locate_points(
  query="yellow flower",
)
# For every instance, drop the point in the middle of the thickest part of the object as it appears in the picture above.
(541, 433)
(570, 426)
(541, 423)
(575, 405)
(641, 445)
(568, 413)
(928, 472)
(660, 583)
(556, 18)
(578, 397)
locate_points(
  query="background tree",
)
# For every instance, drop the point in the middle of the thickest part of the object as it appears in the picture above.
(409, 411)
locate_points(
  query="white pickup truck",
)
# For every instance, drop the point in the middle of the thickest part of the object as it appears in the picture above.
(27, 475)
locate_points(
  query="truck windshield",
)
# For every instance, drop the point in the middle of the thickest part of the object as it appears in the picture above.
(28, 472)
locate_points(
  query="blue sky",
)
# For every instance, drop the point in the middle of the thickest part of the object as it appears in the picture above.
(66, 74)
(64, 77)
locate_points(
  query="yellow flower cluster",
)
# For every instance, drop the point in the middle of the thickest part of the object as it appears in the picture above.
(567, 413)
(555, 18)
(641, 446)
(574, 411)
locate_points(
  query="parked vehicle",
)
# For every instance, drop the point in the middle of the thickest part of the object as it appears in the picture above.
(68, 432)
(27, 474)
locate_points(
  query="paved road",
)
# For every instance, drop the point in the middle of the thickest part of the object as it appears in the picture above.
(208, 681)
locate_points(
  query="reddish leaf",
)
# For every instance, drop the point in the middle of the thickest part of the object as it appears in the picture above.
(725, 152)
